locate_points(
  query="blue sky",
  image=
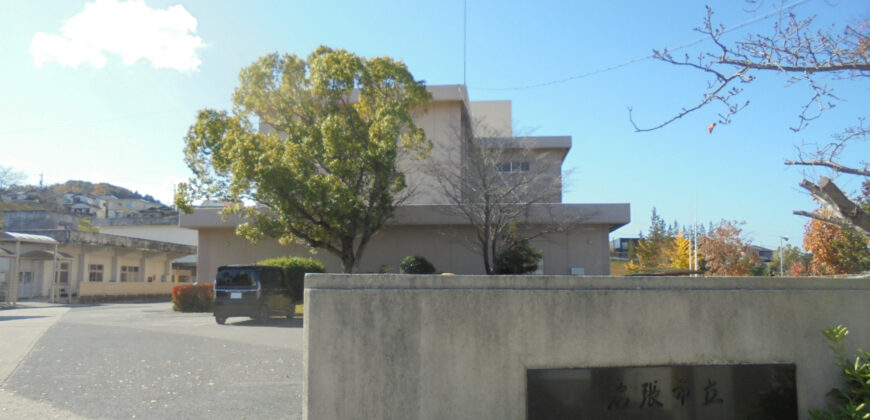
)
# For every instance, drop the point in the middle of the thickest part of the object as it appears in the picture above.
(117, 111)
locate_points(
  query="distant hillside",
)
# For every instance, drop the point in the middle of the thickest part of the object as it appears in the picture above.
(85, 187)
(12, 206)
(48, 198)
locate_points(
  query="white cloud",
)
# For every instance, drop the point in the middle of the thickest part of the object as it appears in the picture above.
(132, 30)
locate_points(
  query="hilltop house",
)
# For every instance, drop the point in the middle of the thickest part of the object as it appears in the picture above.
(427, 224)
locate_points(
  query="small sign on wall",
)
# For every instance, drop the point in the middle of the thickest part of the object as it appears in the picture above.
(738, 391)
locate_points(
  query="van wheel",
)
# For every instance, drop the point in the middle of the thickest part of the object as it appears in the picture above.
(220, 320)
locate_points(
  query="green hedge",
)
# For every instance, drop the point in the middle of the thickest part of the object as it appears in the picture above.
(294, 271)
(415, 264)
(193, 297)
(519, 257)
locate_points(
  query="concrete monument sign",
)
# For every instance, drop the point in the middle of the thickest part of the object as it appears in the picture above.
(749, 391)
(463, 347)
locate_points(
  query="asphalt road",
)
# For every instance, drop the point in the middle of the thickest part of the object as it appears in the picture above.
(144, 361)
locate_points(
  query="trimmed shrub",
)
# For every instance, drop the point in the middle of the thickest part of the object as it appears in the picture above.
(294, 271)
(193, 297)
(415, 264)
(518, 258)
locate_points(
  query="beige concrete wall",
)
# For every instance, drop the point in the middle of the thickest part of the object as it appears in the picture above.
(493, 118)
(449, 248)
(124, 289)
(442, 124)
(457, 347)
(542, 183)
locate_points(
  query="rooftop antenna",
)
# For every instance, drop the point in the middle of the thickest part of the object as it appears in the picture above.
(464, 37)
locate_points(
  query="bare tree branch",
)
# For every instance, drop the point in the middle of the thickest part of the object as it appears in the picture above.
(494, 182)
(792, 49)
(830, 164)
(805, 54)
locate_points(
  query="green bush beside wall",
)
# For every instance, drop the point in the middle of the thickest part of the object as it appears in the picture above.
(294, 271)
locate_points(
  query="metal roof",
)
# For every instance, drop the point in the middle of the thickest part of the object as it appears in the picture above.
(26, 238)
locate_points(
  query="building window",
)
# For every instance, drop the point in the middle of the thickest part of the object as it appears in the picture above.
(95, 272)
(129, 273)
(513, 167)
(63, 272)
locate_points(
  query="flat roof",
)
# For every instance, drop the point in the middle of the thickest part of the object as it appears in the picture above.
(530, 142)
(102, 239)
(614, 215)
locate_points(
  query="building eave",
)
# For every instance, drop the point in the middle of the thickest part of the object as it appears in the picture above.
(613, 215)
(66, 237)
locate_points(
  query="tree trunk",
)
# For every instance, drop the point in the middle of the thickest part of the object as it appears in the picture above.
(486, 264)
(347, 266)
(844, 212)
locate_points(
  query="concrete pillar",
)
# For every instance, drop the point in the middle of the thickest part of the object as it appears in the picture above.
(167, 269)
(116, 268)
(142, 275)
(82, 271)
(13, 282)
(54, 277)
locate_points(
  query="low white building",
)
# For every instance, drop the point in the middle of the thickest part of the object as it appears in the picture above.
(82, 263)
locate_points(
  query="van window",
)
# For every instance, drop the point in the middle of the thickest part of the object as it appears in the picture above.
(235, 277)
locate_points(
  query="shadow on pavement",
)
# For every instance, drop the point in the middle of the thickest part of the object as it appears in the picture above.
(272, 322)
(15, 318)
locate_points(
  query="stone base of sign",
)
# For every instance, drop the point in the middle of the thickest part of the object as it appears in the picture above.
(436, 347)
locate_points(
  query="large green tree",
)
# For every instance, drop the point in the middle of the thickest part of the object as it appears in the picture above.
(322, 167)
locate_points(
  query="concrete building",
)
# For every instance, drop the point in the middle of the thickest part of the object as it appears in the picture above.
(162, 228)
(81, 263)
(428, 224)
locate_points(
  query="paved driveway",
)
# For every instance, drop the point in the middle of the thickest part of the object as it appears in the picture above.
(145, 361)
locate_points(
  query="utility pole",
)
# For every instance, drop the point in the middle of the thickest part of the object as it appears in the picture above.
(464, 38)
(694, 266)
(780, 254)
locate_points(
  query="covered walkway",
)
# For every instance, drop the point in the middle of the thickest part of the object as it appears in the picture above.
(26, 247)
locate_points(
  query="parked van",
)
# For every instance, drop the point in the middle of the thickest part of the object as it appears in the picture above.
(255, 291)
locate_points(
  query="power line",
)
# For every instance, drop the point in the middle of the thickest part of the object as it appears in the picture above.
(647, 57)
